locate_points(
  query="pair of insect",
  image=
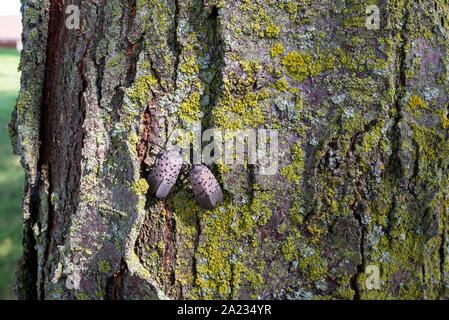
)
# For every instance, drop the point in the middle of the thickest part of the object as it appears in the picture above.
(166, 170)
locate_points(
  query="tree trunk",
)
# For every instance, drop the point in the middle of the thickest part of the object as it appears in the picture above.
(362, 186)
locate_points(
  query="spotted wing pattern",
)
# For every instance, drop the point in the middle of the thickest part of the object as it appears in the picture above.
(165, 172)
(205, 187)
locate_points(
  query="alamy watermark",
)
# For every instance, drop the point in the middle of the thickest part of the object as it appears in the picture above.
(72, 22)
(372, 281)
(259, 147)
(373, 19)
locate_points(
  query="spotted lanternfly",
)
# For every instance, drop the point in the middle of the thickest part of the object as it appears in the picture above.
(165, 172)
(205, 187)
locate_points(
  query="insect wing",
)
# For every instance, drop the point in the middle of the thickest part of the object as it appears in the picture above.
(165, 173)
(205, 187)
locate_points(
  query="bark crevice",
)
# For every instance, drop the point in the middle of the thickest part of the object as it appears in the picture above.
(176, 44)
(48, 112)
(115, 282)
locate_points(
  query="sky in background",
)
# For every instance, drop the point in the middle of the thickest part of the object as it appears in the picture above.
(9, 7)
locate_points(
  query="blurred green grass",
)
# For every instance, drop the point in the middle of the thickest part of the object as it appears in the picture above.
(11, 177)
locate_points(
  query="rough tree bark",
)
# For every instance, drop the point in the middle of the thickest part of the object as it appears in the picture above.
(364, 153)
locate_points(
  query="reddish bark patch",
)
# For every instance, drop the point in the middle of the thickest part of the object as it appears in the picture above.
(149, 135)
(160, 228)
(115, 282)
(49, 113)
(61, 126)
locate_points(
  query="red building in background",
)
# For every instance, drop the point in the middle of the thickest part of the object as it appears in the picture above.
(11, 32)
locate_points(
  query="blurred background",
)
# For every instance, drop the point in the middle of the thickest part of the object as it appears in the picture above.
(11, 174)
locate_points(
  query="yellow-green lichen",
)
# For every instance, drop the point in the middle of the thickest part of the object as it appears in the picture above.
(289, 249)
(190, 66)
(140, 187)
(416, 101)
(293, 172)
(271, 30)
(140, 92)
(218, 261)
(277, 50)
(104, 266)
(299, 66)
(282, 84)
(190, 108)
(445, 121)
(82, 296)
(244, 110)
